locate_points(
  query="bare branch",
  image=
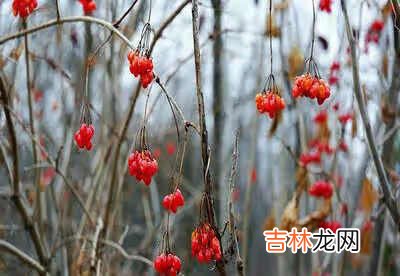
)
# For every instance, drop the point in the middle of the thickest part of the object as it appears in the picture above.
(8, 247)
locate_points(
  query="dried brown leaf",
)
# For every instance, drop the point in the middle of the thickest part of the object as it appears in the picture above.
(290, 214)
(270, 221)
(271, 29)
(16, 52)
(312, 220)
(295, 61)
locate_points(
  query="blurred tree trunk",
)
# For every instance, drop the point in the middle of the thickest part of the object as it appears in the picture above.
(218, 95)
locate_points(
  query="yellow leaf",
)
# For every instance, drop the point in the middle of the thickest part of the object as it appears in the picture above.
(368, 196)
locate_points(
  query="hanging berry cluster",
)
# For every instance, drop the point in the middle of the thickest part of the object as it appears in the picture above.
(333, 73)
(205, 244)
(142, 165)
(88, 6)
(374, 31)
(325, 5)
(23, 8)
(269, 101)
(173, 201)
(311, 86)
(167, 264)
(322, 189)
(83, 136)
(141, 64)
(141, 162)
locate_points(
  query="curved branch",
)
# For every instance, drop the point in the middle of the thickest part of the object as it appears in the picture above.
(8, 247)
(69, 19)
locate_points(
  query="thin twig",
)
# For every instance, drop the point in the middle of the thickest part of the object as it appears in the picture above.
(231, 211)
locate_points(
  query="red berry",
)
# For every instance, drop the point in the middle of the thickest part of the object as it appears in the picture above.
(325, 5)
(23, 8)
(88, 6)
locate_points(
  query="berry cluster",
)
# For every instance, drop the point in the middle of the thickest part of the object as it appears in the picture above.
(270, 103)
(321, 189)
(333, 225)
(343, 146)
(310, 158)
(374, 31)
(23, 8)
(205, 244)
(89, 6)
(333, 73)
(311, 87)
(83, 136)
(323, 147)
(321, 117)
(325, 5)
(141, 66)
(142, 166)
(173, 201)
(167, 264)
(346, 117)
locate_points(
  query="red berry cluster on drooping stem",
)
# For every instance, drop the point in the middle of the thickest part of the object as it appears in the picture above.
(140, 62)
(83, 136)
(269, 101)
(310, 84)
(205, 239)
(141, 162)
(167, 263)
(23, 8)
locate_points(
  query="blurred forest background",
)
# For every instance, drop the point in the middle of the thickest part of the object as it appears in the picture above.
(53, 196)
